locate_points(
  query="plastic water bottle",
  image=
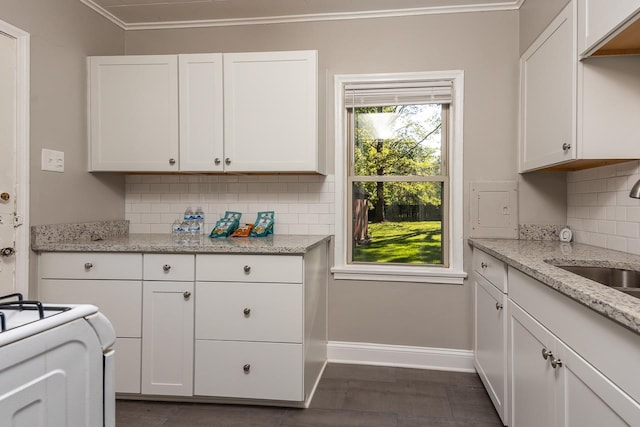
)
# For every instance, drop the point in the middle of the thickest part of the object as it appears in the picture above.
(199, 218)
(188, 214)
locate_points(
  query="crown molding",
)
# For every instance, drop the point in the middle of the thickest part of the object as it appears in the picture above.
(110, 16)
(315, 17)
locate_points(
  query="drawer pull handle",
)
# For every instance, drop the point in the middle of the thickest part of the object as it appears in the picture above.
(172, 161)
(546, 354)
(247, 312)
(556, 363)
(247, 269)
(88, 266)
(498, 306)
(166, 268)
(484, 264)
(246, 368)
(186, 294)
(566, 147)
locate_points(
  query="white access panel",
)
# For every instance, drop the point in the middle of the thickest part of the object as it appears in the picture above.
(494, 209)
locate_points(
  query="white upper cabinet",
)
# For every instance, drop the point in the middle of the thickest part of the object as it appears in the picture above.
(236, 112)
(576, 114)
(133, 110)
(201, 115)
(608, 27)
(270, 111)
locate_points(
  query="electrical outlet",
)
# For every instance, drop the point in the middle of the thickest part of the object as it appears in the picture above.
(52, 160)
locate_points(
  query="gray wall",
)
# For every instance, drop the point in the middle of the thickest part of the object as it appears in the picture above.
(485, 46)
(63, 33)
(535, 15)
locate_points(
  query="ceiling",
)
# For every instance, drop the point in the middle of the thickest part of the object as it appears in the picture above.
(144, 14)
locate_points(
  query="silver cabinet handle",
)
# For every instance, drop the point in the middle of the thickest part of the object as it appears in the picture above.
(498, 306)
(227, 161)
(484, 264)
(556, 363)
(566, 147)
(247, 269)
(216, 161)
(247, 312)
(166, 268)
(88, 266)
(186, 294)
(546, 354)
(246, 368)
(172, 161)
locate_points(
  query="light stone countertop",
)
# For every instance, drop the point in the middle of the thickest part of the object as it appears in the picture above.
(278, 244)
(531, 256)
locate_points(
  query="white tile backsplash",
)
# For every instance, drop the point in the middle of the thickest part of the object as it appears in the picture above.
(599, 209)
(304, 204)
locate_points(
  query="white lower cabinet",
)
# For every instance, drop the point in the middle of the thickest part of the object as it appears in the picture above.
(167, 325)
(550, 383)
(111, 282)
(208, 326)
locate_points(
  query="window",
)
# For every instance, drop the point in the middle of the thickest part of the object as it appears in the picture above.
(399, 177)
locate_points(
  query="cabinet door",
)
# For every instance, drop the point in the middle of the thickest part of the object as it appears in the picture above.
(532, 379)
(490, 350)
(201, 118)
(589, 398)
(270, 103)
(133, 111)
(167, 338)
(548, 96)
(600, 18)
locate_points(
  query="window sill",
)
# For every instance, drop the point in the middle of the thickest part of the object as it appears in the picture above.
(445, 276)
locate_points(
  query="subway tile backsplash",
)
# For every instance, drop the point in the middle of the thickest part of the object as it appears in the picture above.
(303, 204)
(599, 209)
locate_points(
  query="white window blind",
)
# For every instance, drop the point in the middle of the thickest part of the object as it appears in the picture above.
(409, 93)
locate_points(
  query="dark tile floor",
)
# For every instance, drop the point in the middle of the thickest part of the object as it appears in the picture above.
(348, 395)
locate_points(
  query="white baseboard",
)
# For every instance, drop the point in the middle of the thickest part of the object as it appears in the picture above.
(442, 359)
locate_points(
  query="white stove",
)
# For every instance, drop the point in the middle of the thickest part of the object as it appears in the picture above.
(56, 365)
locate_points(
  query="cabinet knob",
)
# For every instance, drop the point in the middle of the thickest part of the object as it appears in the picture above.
(247, 269)
(498, 306)
(6, 252)
(186, 294)
(88, 266)
(566, 147)
(172, 161)
(216, 161)
(556, 363)
(227, 161)
(166, 268)
(247, 312)
(246, 368)
(484, 264)
(546, 354)
(5, 196)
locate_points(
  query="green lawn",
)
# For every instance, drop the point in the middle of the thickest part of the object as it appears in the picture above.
(402, 242)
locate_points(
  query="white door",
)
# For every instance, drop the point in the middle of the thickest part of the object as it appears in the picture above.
(7, 160)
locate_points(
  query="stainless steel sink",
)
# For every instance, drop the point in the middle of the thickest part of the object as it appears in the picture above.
(613, 277)
(627, 281)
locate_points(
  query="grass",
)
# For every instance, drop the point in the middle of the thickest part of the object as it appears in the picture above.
(402, 242)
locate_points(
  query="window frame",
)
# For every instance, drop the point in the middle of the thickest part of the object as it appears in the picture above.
(453, 273)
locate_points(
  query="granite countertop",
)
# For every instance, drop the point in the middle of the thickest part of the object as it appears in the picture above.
(281, 244)
(531, 256)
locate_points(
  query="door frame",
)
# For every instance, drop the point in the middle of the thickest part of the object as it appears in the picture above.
(21, 222)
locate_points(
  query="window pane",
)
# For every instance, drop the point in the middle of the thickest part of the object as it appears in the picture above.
(397, 222)
(398, 140)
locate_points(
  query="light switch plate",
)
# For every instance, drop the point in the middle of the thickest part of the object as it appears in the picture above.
(52, 160)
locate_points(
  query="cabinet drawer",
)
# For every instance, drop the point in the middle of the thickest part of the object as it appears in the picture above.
(128, 356)
(249, 268)
(119, 300)
(168, 267)
(248, 370)
(90, 265)
(249, 311)
(491, 268)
